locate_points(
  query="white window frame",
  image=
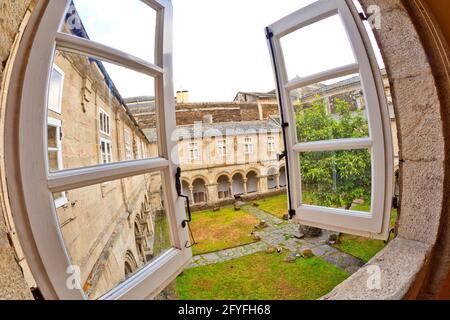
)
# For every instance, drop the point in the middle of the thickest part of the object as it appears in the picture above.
(128, 143)
(32, 200)
(193, 151)
(105, 125)
(376, 224)
(58, 108)
(56, 123)
(109, 152)
(248, 145)
(222, 149)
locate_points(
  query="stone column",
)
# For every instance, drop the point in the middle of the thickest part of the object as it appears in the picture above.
(230, 182)
(191, 190)
(213, 193)
(263, 184)
(245, 185)
(278, 181)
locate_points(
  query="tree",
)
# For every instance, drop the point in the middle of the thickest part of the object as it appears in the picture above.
(333, 179)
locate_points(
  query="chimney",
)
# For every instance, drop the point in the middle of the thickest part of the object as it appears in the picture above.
(182, 96)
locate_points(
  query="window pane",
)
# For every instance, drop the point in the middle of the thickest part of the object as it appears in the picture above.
(318, 47)
(337, 179)
(53, 160)
(127, 25)
(112, 230)
(333, 109)
(125, 95)
(52, 137)
(54, 95)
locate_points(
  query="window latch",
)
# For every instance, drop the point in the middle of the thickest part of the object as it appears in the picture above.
(185, 222)
(282, 155)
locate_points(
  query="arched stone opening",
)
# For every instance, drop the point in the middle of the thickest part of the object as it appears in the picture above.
(223, 187)
(238, 184)
(130, 264)
(139, 238)
(186, 189)
(199, 191)
(283, 182)
(272, 178)
(252, 182)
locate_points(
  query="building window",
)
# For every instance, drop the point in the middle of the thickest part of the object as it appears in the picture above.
(222, 147)
(194, 151)
(248, 146)
(271, 144)
(128, 145)
(55, 160)
(105, 123)
(56, 89)
(105, 151)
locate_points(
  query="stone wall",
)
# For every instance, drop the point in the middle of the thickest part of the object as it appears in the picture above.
(12, 282)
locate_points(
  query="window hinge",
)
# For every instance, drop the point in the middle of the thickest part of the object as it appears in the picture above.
(292, 213)
(184, 223)
(363, 16)
(285, 125)
(282, 155)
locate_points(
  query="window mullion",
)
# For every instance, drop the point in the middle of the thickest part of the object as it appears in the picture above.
(91, 48)
(79, 178)
(322, 76)
(334, 145)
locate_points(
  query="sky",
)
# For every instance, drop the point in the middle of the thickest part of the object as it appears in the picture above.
(219, 45)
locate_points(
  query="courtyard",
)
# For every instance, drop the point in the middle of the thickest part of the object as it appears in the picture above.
(263, 256)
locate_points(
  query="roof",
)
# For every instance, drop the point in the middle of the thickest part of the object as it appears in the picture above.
(228, 128)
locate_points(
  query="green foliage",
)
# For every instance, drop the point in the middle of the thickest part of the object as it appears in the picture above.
(334, 179)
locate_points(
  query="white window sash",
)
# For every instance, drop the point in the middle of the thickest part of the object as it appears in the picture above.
(52, 122)
(35, 208)
(376, 224)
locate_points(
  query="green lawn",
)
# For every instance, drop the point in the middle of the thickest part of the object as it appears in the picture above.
(360, 247)
(220, 230)
(260, 276)
(276, 205)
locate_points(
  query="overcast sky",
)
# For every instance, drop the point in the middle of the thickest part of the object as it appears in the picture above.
(219, 45)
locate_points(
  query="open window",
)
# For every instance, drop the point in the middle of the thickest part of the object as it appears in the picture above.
(99, 244)
(345, 55)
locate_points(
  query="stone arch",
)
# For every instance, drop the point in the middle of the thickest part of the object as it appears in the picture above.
(223, 174)
(199, 191)
(139, 239)
(130, 264)
(238, 184)
(283, 178)
(272, 178)
(252, 181)
(223, 187)
(186, 188)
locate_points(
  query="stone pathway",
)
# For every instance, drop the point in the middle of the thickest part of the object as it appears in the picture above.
(281, 234)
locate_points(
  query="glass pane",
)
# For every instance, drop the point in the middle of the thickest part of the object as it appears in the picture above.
(54, 96)
(111, 230)
(333, 109)
(337, 179)
(127, 25)
(53, 160)
(125, 95)
(317, 47)
(51, 135)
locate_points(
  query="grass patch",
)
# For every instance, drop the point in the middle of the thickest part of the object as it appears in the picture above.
(260, 276)
(276, 205)
(223, 229)
(360, 247)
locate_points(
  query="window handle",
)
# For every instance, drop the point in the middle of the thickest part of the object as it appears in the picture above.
(178, 187)
(185, 223)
